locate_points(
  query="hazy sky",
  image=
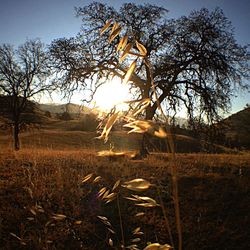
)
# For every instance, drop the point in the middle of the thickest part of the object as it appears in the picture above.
(50, 19)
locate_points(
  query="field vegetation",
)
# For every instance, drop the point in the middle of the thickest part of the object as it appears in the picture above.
(45, 204)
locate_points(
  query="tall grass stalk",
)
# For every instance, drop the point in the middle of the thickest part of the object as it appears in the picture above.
(170, 142)
(142, 126)
(120, 219)
(165, 216)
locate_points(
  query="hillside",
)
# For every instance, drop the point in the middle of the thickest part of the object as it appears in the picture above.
(32, 114)
(61, 108)
(236, 129)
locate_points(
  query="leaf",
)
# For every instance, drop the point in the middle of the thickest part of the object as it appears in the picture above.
(146, 204)
(137, 184)
(144, 198)
(136, 240)
(98, 178)
(117, 183)
(130, 198)
(139, 233)
(165, 247)
(161, 133)
(105, 27)
(103, 218)
(153, 246)
(41, 210)
(112, 119)
(30, 192)
(139, 126)
(146, 201)
(110, 242)
(126, 51)
(48, 223)
(105, 194)
(139, 214)
(115, 26)
(111, 231)
(14, 235)
(136, 230)
(133, 247)
(102, 191)
(110, 153)
(114, 34)
(143, 104)
(30, 218)
(107, 223)
(157, 246)
(123, 42)
(139, 101)
(59, 217)
(78, 222)
(87, 177)
(129, 72)
(141, 48)
(33, 211)
(110, 197)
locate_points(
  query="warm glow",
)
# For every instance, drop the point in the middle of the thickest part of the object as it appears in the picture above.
(112, 93)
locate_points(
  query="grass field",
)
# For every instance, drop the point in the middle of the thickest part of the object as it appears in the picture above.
(45, 205)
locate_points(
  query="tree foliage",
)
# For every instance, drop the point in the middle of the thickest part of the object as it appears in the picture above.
(197, 64)
(23, 74)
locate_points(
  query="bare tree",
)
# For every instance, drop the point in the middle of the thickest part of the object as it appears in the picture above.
(197, 64)
(23, 74)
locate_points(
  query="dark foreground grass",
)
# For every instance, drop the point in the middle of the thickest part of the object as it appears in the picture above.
(37, 184)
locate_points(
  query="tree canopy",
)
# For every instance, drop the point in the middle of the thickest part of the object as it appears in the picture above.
(23, 74)
(196, 61)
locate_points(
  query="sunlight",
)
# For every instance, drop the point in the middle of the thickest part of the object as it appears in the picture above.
(113, 93)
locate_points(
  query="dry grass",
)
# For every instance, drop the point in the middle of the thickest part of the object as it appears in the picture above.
(36, 184)
(70, 140)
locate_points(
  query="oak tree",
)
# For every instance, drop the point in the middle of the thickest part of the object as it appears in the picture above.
(196, 62)
(23, 74)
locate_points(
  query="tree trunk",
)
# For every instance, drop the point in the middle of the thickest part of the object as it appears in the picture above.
(16, 136)
(144, 149)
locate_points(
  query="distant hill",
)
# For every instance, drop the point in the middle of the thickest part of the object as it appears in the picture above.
(68, 117)
(5, 102)
(61, 108)
(32, 114)
(236, 129)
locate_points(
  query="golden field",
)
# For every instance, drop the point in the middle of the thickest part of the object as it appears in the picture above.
(45, 204)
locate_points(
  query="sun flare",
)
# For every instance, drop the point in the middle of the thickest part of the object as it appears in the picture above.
(112, 93)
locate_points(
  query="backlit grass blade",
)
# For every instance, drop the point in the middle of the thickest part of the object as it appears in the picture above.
(105, 27)
(129, 72)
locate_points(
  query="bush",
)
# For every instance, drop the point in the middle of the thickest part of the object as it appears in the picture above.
(47, 114)
(65, 116)
(90, 122)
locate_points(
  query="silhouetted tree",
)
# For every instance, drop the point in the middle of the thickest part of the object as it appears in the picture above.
(65, 116)
(196, 61)
(23, 74)
(47, 114)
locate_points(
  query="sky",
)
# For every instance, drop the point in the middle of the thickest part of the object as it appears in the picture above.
(50, 19)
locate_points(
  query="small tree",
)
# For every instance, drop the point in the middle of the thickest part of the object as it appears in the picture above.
(23, 74)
